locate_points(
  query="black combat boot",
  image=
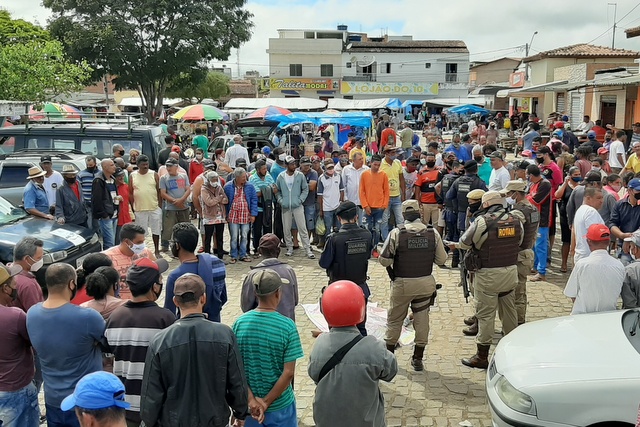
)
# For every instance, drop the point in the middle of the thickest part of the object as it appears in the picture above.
(416, 359)
(479, 360)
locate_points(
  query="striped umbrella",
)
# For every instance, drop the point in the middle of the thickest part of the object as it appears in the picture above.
(268, 112)
(53, 110)
(200, 112)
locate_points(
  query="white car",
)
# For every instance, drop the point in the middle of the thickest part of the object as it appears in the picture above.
(581, 370)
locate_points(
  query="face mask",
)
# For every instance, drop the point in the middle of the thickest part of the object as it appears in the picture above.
(431, 164)
(596, 169)
(71, 180)
(473, 207)
(607, 139)
(423, 162)
(456, 145)
(281, 157)
(478, 159)
(577, 178)
(616, 187)
(93, 169)
(121, 152)
(74, 291)
(392, 158)
(511, 201)
(174, 250)
(199, 156)
(138, 249)
(37, 265)
(13, 294)
(540, 159)
(336, 160)
(232, 143)
(317, 150)
(449, 162)
(214, 184)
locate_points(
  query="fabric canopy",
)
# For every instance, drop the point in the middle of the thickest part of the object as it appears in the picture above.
(364, 104)
(351, 118)
(288, 103)
(411, 102)
(467, 109)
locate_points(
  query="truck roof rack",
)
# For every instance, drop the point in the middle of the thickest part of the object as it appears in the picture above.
(84, 119)
(38, 152)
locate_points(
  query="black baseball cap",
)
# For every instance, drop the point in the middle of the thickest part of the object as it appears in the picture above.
(45, 159)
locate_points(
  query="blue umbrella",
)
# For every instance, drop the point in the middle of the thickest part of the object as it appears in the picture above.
(468, 109)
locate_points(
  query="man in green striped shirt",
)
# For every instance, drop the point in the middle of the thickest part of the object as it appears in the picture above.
(270, 345)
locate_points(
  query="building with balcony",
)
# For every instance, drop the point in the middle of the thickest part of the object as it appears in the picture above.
(337, 63)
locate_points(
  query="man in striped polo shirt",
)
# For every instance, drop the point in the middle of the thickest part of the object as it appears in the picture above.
(133, 325)
(86, 178)
(270, 345)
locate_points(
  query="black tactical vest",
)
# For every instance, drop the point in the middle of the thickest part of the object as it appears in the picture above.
(465, 184)
(415, 253)
(532, 219)
(351, 258)
(445, 185)
(502, 245)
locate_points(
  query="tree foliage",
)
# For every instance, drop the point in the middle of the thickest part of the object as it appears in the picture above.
(147, 43)
(214, 85)
(32, 66)
(16, 31)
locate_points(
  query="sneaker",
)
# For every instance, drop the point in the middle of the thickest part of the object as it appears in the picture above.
(289, 252)
(310, 255)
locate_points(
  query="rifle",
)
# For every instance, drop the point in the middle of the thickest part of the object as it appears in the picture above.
(465, 284)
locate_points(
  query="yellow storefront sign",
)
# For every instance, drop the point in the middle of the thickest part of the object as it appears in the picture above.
(371, 88)
(300, 84)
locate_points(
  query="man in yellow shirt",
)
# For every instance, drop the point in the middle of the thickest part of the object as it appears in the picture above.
(358, 149)
(633, 163)
(393, 168)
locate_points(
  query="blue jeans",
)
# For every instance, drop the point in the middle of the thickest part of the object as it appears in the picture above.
(285, 417)
(373, 222)
(331, 222)
(56, 417)
(625, 259)
(540, 249)
(20, 408)
(395, 204)
(360, 216)
(108, 228)
(243, 231)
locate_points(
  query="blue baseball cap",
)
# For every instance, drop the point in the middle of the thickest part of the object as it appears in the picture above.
(591, 134)
(98, 390)
(634, 184)
(266, 150)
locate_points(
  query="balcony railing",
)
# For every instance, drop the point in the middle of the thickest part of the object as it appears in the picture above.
(451, 77)
(362, 77)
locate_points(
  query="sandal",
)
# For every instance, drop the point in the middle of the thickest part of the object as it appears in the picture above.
(247, 259)
(233, 261)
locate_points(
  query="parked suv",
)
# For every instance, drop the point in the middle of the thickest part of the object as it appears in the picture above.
(256, 133)
(14, 169)
(62, 243)
(88, 138)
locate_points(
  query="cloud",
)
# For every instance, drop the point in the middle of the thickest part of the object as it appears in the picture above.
(490, 29)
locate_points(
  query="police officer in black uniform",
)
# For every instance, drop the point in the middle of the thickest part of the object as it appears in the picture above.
(346, 253)
(409, 254)
(450, 214)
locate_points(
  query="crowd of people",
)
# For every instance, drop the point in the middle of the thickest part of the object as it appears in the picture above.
(390, 200)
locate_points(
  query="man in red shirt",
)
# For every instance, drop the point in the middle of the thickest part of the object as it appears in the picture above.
(425, 191)
(388, 136)
(70, 204)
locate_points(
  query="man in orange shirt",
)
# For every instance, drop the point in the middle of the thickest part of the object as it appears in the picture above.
(374, 197)
(388, 137)
(425, 191)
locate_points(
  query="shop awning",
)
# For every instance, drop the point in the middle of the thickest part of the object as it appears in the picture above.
(363, 104)
(293, 104)
(450, 102)
(526, 92)
(138, 102)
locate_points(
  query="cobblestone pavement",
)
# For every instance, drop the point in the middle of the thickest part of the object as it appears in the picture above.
(446, 392)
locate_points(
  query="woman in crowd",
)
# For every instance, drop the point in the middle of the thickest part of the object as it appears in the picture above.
(102, 285)
(89, 264)
(213, 200)
(613, 184)
(563, 193)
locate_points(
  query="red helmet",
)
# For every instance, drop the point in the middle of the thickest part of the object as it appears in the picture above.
(343, 304)
(558, 125)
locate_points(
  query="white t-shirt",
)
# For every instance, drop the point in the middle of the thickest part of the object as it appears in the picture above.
(595, 283)
(51, 184)
(409, 180)
(499, 179)
(616, 147)
(585, 217)
(330, 188)
(288, 179)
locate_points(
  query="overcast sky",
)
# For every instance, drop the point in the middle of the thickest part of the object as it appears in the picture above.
(491, 29)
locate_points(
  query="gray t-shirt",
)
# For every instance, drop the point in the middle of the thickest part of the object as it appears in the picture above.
(175, 186)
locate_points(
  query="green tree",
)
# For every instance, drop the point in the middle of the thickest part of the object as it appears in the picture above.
(147, 43)
(214, 85)
(37, 71)
(15, 31)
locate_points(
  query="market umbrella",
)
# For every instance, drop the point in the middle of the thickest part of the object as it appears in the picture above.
(468, 109)
(54, 110)
(200, 112)
(268, 113)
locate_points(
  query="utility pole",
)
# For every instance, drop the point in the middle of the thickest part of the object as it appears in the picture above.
(526, 55)
(615, 12)
(238, 61)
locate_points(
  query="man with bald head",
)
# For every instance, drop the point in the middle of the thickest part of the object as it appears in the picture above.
(66, 338)
(105, 201)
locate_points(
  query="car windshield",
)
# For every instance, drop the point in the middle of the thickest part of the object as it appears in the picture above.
(255, 131)
(10, 213)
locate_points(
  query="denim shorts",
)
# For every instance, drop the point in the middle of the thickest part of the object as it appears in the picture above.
(20, 408)
(285, 417)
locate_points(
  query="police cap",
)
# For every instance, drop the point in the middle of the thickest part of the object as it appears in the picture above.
(346, 209)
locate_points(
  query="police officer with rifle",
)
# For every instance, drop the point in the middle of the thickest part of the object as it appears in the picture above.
(494, 241)
(346, 253)
(409, 254)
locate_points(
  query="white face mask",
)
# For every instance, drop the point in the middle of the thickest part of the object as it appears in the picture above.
(281, 157)
(596, 169)
(214, 184)
(37, 265)
(511, 201)
(138, 249)
(199, 156)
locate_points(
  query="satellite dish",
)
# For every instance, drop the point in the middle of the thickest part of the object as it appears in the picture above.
(366, 61)
(349, 46)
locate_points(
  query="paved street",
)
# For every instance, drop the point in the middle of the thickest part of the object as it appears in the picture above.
(447, 392)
